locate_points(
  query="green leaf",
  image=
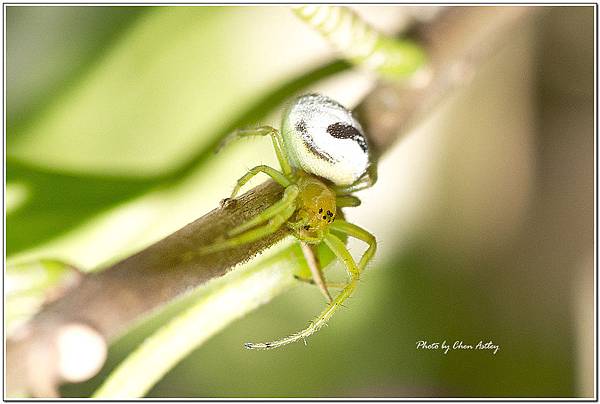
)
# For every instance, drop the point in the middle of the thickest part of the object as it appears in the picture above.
(166, 84)
(55, 202)
(42, 65)
(176, 78)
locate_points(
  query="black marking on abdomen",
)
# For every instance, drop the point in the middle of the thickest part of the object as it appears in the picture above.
(307, 140)
(341, 130)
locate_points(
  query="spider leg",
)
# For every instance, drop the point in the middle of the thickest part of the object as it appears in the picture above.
(302, 219)
(357, 186)
(252, 235)
(358, 232)
(278, 176)
(289, 197)
(311, 281)
(367, 180)
(301, 222)
(314, 264)
(340, 250)
(347, 201)
(263, 131)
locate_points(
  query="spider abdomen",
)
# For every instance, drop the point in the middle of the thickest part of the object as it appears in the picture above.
(323, 138)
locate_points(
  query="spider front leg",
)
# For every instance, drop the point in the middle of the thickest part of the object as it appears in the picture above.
(340, 250)
(264, 131)
(278, 176)
(276, 215)
(289, 198)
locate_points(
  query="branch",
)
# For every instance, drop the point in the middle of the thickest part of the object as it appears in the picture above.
(456, 43)
(213, 308)
(108, 302)
(105, 304)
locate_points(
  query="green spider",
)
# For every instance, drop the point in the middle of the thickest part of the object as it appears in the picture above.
(324, 157)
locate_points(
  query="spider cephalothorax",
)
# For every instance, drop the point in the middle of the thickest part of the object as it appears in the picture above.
(316, 209)
(324, 157)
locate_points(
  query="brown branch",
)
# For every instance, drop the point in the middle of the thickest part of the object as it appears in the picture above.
(108, 302)
(457, 43)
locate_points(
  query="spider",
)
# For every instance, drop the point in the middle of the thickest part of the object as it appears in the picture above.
(324, 158)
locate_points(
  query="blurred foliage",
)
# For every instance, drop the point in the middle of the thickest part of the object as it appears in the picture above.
(369, 349)
(56, 202)
(110, 134)
(29, 286)
(75, 165)
(50, 48)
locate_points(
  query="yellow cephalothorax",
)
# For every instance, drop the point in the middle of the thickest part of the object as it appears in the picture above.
(324, 158)
(316, 208)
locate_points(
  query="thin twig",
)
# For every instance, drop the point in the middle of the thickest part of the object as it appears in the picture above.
(457, 42)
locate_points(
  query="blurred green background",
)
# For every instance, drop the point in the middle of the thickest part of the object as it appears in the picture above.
(484, 212)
